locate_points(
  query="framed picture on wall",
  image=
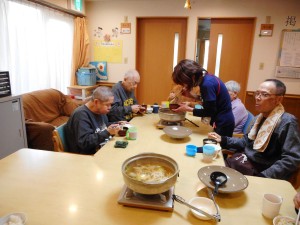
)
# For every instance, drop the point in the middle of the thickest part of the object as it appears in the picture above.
(101, 70)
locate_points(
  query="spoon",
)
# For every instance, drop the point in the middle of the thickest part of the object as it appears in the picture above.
(219, 179)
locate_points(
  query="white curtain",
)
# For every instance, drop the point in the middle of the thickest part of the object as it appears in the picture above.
(35, 46)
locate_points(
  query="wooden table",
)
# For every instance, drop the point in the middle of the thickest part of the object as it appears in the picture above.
(63, 188)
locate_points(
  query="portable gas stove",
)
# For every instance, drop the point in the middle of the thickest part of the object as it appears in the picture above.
(163, 123)
(163, 201)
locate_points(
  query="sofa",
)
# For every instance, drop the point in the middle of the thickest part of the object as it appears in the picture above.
(43, 111)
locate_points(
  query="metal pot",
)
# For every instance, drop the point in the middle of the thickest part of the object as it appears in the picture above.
(171, 116)
(153, 187)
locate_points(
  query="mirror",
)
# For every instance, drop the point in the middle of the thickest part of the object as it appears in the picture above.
(202, 44)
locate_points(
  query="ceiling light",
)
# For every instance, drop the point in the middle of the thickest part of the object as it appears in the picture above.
(187, 4)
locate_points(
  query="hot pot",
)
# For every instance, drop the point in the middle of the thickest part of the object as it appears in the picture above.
(171, 116)
(150, 188)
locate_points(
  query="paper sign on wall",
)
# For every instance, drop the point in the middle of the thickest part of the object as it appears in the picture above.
(125, 28)
(108, 51)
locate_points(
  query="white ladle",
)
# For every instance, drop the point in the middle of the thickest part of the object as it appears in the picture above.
(5, 219)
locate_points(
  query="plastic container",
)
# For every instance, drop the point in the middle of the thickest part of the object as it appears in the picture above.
(191, 150)
(86, 79)
(131, 133)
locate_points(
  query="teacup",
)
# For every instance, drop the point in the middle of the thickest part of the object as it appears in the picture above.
(271, 205)
(155, 108)
(209, 153)
(217, 150)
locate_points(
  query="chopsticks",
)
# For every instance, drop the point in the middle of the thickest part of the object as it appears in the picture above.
(192, 122)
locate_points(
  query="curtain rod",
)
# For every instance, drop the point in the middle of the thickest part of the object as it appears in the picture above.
(58, 8)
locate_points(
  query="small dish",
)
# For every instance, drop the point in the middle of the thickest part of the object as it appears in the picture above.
(15, 218)
(209, 141)
(177, 131)
(122, 133)
(173, 106)
(205, 204)
(283, 220)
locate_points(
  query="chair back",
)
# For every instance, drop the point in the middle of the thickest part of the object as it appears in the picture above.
(247, 126)
(59, 139)
(249, 123)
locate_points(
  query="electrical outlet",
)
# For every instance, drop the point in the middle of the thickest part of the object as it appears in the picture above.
(125, 60)
(261, 66)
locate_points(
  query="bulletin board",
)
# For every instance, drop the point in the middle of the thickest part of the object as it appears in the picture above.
(289, 56)
(108, 51)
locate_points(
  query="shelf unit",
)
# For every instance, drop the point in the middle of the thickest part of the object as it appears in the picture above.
(13, 132)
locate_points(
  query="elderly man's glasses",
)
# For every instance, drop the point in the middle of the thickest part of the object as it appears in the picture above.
(133, 83)
(263, 94)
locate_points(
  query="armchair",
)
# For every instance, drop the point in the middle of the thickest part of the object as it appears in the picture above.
(43, 111)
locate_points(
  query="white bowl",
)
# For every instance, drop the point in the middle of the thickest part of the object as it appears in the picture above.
(12, 216)
(177, 131)
(284, 220)
(205, 204)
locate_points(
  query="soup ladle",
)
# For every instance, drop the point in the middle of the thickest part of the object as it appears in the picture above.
(219, 179)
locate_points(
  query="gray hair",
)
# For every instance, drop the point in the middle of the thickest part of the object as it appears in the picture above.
(102, 93)
(233, 86)
(132, 74)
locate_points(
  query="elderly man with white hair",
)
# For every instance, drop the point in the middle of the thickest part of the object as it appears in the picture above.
(125, 102)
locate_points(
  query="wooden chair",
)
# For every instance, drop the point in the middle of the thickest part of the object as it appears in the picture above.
(59, 139)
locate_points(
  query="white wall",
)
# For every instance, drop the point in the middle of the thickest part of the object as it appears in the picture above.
(110, 14)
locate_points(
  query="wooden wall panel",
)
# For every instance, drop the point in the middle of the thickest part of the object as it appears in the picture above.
(291, 104)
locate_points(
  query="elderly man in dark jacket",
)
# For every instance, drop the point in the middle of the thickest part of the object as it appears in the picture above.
(272, 147)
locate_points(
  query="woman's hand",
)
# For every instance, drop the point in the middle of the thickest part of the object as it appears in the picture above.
(183, 108)
(214, 135)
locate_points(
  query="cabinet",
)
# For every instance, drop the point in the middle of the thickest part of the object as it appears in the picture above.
(12, 132)
(84, 92)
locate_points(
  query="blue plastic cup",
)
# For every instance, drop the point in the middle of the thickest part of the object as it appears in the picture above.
(191, 150)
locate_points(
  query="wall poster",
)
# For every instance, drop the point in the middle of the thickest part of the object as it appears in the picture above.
(289, 57)
(109, 51)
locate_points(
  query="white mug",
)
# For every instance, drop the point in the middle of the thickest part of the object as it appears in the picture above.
(271, 205)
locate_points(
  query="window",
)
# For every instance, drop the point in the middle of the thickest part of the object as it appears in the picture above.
(37, 45)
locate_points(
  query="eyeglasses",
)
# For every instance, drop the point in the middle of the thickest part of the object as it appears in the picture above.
(263, 94)
(133, 83)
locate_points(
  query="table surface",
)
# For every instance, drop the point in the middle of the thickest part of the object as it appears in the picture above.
(63, 188)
